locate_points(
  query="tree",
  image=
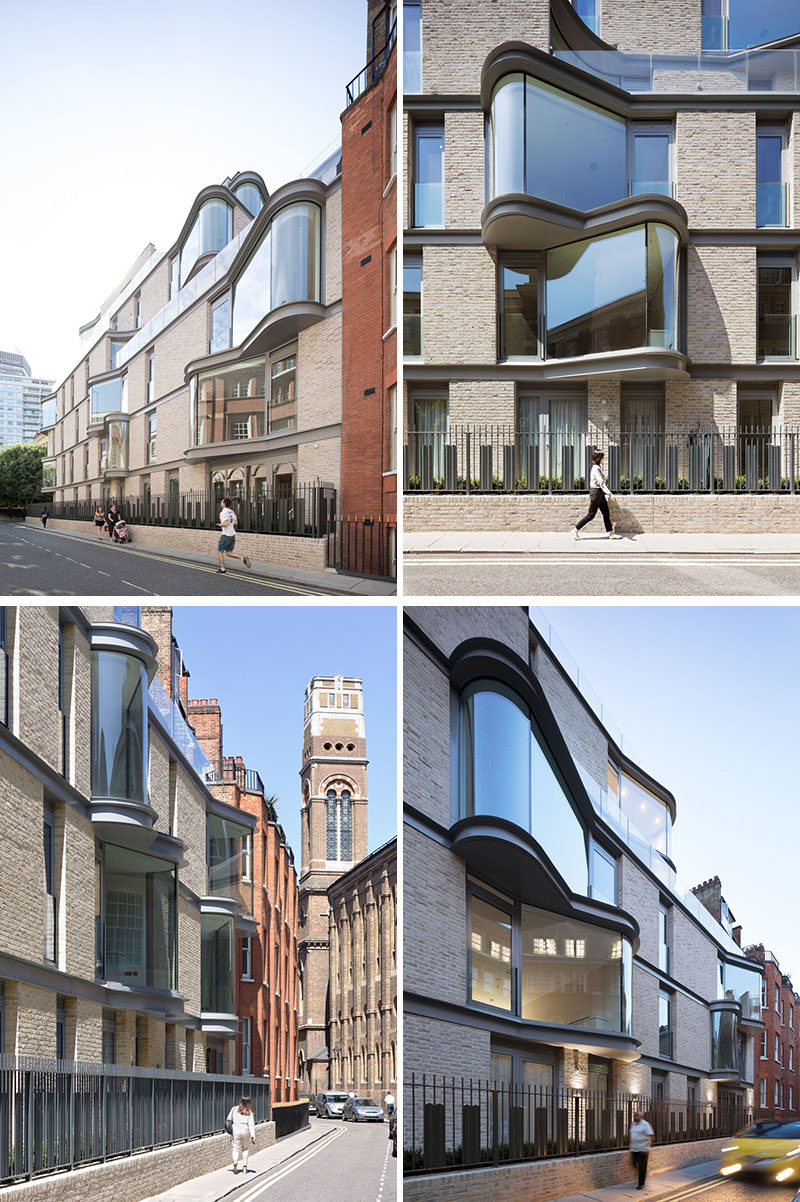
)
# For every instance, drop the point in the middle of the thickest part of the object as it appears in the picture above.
(21, 473)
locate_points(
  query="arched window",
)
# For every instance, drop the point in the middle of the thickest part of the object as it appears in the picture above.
(338, 823)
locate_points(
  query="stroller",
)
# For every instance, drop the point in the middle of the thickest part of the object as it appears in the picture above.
(121, 533)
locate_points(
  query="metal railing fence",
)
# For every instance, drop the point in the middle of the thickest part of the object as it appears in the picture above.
(306, 510)
(503, 458)
(60, 1114)
(373, 71)
(289, 1117)
(363, 547)
(455, 1123)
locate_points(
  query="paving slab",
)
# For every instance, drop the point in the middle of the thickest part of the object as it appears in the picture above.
(658, 1185)
(562, 542)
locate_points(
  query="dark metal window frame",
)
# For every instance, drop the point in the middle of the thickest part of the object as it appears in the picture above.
(424, 129)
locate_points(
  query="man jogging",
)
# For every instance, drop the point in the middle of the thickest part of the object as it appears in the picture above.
(227, 540)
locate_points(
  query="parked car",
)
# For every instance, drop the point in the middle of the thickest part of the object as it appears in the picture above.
(312, 1105)
(393, 1130)
(362, 1110)
(767, 1149)
(330, 1104)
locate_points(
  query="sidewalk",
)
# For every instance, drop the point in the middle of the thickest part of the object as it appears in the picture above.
(505, 542)
(346, 586)
(221, 1182)
(658, 1185)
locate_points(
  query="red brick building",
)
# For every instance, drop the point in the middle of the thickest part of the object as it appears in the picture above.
(776, 1075)
(370, 304)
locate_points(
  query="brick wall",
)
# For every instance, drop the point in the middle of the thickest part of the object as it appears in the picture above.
(718, 146)
(451, 62)
(722, 304)
(458, 280)
(652, 27)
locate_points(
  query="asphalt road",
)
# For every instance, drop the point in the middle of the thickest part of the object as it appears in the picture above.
(724, 1189)
(354, 1163)
(564, 575)
(36, 562)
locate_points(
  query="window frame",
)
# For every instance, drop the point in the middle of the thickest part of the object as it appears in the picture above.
(247, 958)
(649, 129)
(522, 262)
(513, 910)
(425, 129)
(776, 129)
(413, 262)
(766, 260)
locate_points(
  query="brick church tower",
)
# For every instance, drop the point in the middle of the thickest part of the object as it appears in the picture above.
(333, 816)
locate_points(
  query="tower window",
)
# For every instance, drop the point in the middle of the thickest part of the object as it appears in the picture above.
(339, 826)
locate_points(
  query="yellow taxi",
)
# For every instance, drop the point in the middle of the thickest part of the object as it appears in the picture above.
(768, 1149)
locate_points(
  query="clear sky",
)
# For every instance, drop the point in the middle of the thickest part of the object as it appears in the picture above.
(114, 117)
(257, 660)
(709, 698)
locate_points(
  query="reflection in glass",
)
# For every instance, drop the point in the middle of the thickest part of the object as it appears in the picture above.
(118, 446)
(284, 267)
(251, 295)
(753, 22)
(651, 164)
(520, 310)
(119, 726)
(283, 395)
(662, 286)
(430, 427)
(140, 919)
(220, 325)
(229, 860)
(250, 197)
(770, 208)
(664, 1024)
(587, 11)
(216, 959)
(574, 974)
(604, 876)
(412, 47)
(428, 185)
(110, 396)
(647, 814)
(775, 319)
(549, 143)
(114, 348)
(490, 955)
(412, 308)
(229, 404)
(724, 1041)
(556, 826)
(211, 231)
(742, 985)
(596, 295)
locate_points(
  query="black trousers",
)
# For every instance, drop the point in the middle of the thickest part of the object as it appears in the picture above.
(640, 1161)
(597, 500)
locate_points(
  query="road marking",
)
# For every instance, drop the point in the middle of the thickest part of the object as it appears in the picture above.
(566, 560)
(702, 1188)
(296, 1162)
(141, 590)
(99, 573)
(383, 1174)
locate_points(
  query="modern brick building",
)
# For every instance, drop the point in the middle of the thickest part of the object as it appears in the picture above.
(549, 947)
(369, 277)
(112, 850)
(362, 1034)
(776, 1080)
(217, 364)
(21, 398)
(601, 226)
(333, 815)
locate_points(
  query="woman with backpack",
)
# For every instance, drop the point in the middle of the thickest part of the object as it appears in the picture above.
(240, 1125)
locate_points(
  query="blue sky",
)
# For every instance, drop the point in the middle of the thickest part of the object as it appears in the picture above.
(708, 697)
(257, 660)
(114, 118)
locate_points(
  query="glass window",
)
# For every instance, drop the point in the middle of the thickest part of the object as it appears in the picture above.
(283, 391)
(588, 11)
(490, 954)
(650, 167)
(285, 267)
(174, 276)
(428, 175)
(151, 378)
(140, 918)
(776, 337)
(770, 191)
(110, 396)
(119, 726)
(724, 1041)
(763, 1045)
(753, 22)
(646, 814)
(229, 860)
(574, 973)
(412, 307)
(49, 874)
(250, 197)
(412, 47)
(229, 403)
(663, 938)
(247, 958)
(519, 310)
(216, 956)
(212, 230)
(220, 325)
(665, 1024)
(556, 826)
(551, 144)
(714, 25)
(742, 985)
(118, 446)
(151, 437)
(604, 875)
(4, 664)
(114, 348)
(137, 310)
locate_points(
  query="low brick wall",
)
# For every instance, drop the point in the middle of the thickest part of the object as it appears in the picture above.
(134, 1177)
(285, 550)
(544, 1180)
(767, 513)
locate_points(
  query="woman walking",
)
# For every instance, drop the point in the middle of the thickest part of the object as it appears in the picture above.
(99, 519)
(111, 519)
(243, 1132)
(599, 496)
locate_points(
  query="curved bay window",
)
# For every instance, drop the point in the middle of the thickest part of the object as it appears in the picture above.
(338, 823)
(140, 918)
(250, 196)
(109, 396)
(614, 292)
(285, 267)
(743, 985)
(216, 959)
(229, 404)
(506, 771)
(230, 860)
(119, 726)
(724, 1041)
(211, 231)
(117, 446)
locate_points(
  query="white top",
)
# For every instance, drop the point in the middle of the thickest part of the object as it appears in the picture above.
(598, 480)
(389, 1099)
(639, 1136)
(228, 520)
(242, 1123)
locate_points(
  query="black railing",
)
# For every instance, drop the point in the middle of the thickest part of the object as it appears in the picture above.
(59, 1114)
(307, 510)
(363, 547)
(289, 1117)
(503, 459)
(373, 70)
(455, 1123)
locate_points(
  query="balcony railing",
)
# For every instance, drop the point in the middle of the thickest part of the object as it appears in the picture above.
(59, 1114)
(665, 1044)
(179, 730)
(373, 71)
(776, 336)
(455, 1123)
(772, 204)
(502, 459)
(246, 778)
(50, 926)
(708, 71)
